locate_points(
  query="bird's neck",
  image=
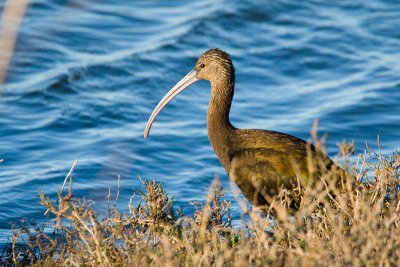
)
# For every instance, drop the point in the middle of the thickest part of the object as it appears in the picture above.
(220, 130)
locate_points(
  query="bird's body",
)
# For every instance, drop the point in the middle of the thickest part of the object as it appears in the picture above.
(261, 168)
(261, 162)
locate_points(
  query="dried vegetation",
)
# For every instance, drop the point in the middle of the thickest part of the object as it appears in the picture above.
(356, 225)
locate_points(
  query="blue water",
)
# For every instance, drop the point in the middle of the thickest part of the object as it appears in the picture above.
(86, 75)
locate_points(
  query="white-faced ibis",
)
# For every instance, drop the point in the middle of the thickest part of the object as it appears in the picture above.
(260, 162)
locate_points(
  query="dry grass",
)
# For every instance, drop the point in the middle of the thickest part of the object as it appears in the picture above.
(357, 225)
(11, 19)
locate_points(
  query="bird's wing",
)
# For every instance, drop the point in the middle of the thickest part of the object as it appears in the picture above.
(262, 172)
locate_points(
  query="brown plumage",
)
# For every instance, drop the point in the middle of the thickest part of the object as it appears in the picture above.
(260, 162)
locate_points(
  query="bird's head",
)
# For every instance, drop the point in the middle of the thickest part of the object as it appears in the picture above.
(214, 65)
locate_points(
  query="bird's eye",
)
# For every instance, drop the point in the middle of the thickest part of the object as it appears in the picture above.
(202, 65)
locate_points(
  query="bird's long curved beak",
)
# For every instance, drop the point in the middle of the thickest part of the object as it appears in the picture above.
(186, 81)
